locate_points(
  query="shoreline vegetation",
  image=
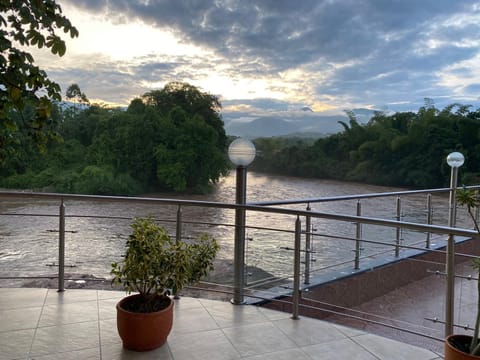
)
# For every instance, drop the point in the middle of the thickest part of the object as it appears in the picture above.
(171, 139)
(405, 149)
(158, 144)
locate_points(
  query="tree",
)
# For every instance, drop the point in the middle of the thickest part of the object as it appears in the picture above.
(26, 23)
(74, 93)
(192, 101)
(191, 150)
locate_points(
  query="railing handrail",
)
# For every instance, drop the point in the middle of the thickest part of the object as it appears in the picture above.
(354, 197)
(251, 207)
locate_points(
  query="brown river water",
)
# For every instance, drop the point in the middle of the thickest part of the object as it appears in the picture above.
(97, 231)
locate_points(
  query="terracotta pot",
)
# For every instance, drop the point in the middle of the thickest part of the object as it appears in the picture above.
(452, 353)
(143, 331)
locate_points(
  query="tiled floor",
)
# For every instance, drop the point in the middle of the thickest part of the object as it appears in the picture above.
(410, 307)
(81, 324)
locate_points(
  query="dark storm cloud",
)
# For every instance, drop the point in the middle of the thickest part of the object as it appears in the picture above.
(287, 33)
(100, 80)
(374, 51)
(154, 69)
(264, 104)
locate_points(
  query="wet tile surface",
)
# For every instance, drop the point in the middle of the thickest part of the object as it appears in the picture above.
(81, 324)
(413, 306)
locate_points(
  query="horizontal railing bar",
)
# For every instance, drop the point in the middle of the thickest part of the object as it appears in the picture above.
(313, 214)
(105, 198)
(360, 312)
(436, 320)
(350, 316)
(29, 214)
(354, 197)
(376, 242)
(53, 277)
(465, 277)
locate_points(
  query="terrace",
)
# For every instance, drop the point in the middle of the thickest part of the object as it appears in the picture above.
(80, 323)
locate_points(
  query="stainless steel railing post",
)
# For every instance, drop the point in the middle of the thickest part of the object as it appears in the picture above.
(398, 231)
(477, 209)
(296, 269)
(61, 248)
(358, 237)
(429, 219)
(239, 238)
(308, 246)
(178, 233)
(450, 258)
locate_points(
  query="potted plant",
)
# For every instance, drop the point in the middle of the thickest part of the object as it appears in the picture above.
(464, 347)
(155, 266)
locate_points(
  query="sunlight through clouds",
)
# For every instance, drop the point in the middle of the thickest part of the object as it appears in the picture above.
(328, 56)
(123, 41)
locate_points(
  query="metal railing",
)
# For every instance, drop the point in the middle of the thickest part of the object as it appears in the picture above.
(277, 208)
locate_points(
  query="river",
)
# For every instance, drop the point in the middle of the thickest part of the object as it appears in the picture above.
(28, 244)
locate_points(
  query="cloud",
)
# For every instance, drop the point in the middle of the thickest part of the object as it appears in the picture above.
(323, 54)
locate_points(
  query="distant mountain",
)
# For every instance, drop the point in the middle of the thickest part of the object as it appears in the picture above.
(303, 123)
(65, 105)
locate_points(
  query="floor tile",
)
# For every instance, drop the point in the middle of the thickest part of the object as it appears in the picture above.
(68, 313)
(86, 354)
(339, 349)
(258, 339)
(192, 320)
(274, 315)
(115, 352)
(107, 309)
(388, 349)
(21, 298)
(228, 315)
(19, 319)
(187, 303)
(15, 344)
(65, 338)
(290, 354)
(109, 333)
(307, 331)
(110, 294)
(350, 332)
(70, 296)
(205, 345)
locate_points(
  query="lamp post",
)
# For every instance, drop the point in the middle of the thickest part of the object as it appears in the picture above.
(241, 153)
(454, 160)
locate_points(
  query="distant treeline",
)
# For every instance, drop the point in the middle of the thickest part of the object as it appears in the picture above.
(174, 140)
(404, 149)
(168, 140)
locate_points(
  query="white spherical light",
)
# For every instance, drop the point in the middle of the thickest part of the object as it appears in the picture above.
(241, 152)
(455, 159)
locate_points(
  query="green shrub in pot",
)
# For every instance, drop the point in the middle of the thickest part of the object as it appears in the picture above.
(155, 266)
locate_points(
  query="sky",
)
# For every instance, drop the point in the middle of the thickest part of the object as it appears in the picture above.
(278, 57)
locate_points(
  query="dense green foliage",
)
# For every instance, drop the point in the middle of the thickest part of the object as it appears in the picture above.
(154, 264)
(404, 149)
(176, 144)
(25, 88)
